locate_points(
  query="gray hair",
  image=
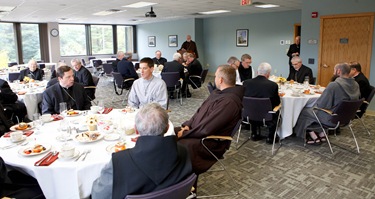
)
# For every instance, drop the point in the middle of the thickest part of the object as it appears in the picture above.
(151, 120)
(120, 53)
(264, 68)
(176, 56)
(128, 55)
(232, 60)
(344, 67)
(76, 60)
(296, 59)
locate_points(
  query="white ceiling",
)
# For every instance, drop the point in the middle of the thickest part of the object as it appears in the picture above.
(80, 11)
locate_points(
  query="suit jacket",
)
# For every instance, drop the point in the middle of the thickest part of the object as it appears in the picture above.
(55, 94)
(245, 73)
(261, 87)
(37, 74)
(126, 69)
(114, 65)
(7, 96)
(155, 163)
(55, 80)
(174, 66)
(85, 78)
(364, 85)
(301, 74)
(161, 61)
(294, 48)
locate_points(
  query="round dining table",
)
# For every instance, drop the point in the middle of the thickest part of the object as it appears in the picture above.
(67, 178)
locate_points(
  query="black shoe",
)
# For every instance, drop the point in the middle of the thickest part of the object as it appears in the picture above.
(188, 95)
(171, 97)
(255, 137)
(245, 126)
(269, 140)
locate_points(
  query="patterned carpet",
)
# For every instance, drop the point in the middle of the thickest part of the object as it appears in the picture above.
(294, 171)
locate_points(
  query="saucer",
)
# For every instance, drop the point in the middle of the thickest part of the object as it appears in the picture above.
(111, 137)
(16, 141)
(76, 153)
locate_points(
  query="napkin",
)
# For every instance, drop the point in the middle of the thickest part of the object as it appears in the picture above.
(134, 139)
(27, 133)
(107, 110)
(47, 159)
(57, 117)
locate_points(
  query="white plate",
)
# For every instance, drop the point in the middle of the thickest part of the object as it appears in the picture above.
(78, 113)
(21, 151)
(296, 95)
(111, 148)
(22, 139)
(50, 120)
(14, 127)
(61, 138)
(112, 137)
(76, 153)
(84, 138)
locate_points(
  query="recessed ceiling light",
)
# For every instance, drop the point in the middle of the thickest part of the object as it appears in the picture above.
(214, 12)
(139, 4)
(267, 6)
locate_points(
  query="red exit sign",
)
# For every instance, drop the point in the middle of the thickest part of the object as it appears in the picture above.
(245, 2)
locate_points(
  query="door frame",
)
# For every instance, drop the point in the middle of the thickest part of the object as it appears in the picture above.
(371, 29)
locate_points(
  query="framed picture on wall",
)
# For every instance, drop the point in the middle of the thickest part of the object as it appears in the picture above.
(172, 41)
(242, 37)
(151, 41)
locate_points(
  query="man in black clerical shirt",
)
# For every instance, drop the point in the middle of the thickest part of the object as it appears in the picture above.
(245, 70)
(84, 77)
(65, 91)
(300, 72)
(158, 59)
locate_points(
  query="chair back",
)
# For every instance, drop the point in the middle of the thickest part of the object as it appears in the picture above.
(210, 87)
(97, 63)
(371, 95)
(108, 69)
(257, 109)
(83, 62)
(204, 75)
(364, 106)
(118, 79)
(42, 66)
(171, 79)
(40, 61)
(13, 76)
(113, 56)
(90, 58)
(10, 64)
(136, 66)
(177, 191)
(345, 111)
(95, 79)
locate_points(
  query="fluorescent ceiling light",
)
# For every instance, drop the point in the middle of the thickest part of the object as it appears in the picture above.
(267, 6)
(108, 12)
(7, 8)
(140, 4)
(214, 12)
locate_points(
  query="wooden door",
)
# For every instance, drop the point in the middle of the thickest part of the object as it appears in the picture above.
(344, 38)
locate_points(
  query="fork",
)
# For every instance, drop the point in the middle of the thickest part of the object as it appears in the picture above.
(82, 154)
(53, 154)
(87, 152)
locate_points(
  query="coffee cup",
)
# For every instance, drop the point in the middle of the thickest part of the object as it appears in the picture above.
(94, 109)
(46, 118)
(16, 136)
(67, 151)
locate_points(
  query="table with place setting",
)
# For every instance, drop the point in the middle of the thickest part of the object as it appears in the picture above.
(71, 157)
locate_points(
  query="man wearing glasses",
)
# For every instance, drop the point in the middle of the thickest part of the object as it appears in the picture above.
(245, 70)
(300, 72)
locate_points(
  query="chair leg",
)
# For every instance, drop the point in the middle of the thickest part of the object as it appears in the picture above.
(238, 138)
(363, 124)
(329, 143)
(274, 136)
(355, 140)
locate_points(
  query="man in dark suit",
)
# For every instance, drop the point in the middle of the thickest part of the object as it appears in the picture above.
(84, 77)
(65, 91)
(10, 102)
(293, 51)
(120, 56)
(194, 67)
(360, 78)
(158, 59)
(244, 69)
(126, 68)
(146, 167)
(261, 87)
(174, 66)
(33, 72)
(300, 72)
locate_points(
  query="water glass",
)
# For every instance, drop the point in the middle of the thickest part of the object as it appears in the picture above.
(101, 106)
(63, 107)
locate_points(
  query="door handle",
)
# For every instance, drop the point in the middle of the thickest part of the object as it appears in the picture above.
(325, 66)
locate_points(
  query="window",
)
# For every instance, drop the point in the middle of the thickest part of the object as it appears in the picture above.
(30, 42)
(102, 39)
(125, 38)
(8, 52)
(72, 39)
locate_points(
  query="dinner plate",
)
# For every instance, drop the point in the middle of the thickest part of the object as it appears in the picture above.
(74, 115)
(46, 146)
(85, 137)
(15, 127)
(76, 153)
(296, 95)
(111, 137)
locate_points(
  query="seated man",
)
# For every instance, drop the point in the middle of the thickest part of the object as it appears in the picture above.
(33, 72)
(343, 88)
(65, 91)
(54, 80)
(148, 88)
(146, 167)
(218, 115)
(360, 78)
(300, 71)
(158, 59)
(235, 63)
(174, 66)
(244, 69)
(10, 102)
(126, 68)
(194, 67)
(261, 87)
(84, 77)
(120, 56)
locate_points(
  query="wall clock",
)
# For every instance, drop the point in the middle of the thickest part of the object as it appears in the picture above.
(54, 32)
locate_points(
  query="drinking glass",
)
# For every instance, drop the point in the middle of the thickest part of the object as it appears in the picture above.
(101, 106)
(63, 107)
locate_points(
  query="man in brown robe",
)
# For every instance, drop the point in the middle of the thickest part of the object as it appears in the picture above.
(218, 115)
(190, 46)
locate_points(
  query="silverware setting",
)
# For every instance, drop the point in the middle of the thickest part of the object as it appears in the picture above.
(49, 154)
(87, 152)
(14, 145)
(84, 153)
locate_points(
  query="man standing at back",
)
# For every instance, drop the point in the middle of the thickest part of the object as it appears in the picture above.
(245, 70)
(261, 87)
(293, 51)
(190, 46)
(156, 162)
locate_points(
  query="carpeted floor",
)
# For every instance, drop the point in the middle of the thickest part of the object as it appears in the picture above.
(294, 171)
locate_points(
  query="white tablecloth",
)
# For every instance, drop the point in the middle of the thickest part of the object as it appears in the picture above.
(67, 178)
(290, 110)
